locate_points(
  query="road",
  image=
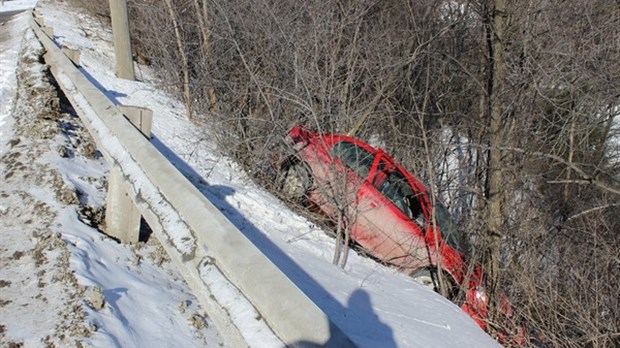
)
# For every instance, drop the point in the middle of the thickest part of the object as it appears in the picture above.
(5, 17)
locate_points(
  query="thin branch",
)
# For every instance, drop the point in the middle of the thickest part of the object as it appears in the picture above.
(592, 210)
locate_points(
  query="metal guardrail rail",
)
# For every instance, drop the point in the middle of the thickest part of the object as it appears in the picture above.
(195, 234)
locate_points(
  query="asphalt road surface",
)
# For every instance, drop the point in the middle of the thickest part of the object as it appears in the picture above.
(5, 17)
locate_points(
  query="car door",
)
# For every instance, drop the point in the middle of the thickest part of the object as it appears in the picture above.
(342, 177)
(390, 221)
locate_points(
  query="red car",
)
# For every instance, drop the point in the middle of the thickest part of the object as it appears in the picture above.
(386, 210)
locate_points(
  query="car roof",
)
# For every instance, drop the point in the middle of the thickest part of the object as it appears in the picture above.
(330, 139)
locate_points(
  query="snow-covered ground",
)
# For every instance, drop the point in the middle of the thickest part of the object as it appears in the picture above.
(63, 282)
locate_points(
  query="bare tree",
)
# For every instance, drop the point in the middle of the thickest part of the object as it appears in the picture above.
(187, 97)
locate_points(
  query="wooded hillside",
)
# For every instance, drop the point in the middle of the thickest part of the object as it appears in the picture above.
(508, 110)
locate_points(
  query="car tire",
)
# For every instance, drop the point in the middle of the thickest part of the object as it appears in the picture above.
(425, 278)
(293, 182)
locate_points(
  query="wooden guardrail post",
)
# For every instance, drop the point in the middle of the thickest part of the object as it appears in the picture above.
(40, 21)
(122, 218)
(122, 215)
(48, 31)
(140, 117)
(122, 43)
(73, 55)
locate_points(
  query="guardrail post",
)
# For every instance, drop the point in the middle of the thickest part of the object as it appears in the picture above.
(122, 43)
(141, 118)
(122, 216)
(48, 31)
(40, 21)
(72, 54)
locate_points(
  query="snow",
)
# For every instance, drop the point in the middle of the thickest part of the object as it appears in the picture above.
(140, 297)
(146, 302)
(10, 37)
(16, 5)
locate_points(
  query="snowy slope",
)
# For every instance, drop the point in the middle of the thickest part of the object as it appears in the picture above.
(145, 300)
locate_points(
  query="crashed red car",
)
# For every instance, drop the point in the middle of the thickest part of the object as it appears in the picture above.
(387, 211)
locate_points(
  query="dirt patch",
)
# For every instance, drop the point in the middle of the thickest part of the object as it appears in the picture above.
(94, 296)
(36, 274)
(92, 216)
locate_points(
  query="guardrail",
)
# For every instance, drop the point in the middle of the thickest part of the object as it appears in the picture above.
(194, 233)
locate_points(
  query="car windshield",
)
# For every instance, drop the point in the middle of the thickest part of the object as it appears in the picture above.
(355, 157)
(449, 232)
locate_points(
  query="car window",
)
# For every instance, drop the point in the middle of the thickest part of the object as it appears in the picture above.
(354, 157)
(397, 190)
(449, 232)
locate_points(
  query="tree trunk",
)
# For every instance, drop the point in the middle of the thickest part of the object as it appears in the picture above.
(179, 42)
(203, 22)
(339, 236)
(495, 23)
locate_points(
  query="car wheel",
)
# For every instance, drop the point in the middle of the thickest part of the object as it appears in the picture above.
(424, 278)
(293, 182)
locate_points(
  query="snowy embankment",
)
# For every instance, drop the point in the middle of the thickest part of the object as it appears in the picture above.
(115, 295)
(62, 283)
